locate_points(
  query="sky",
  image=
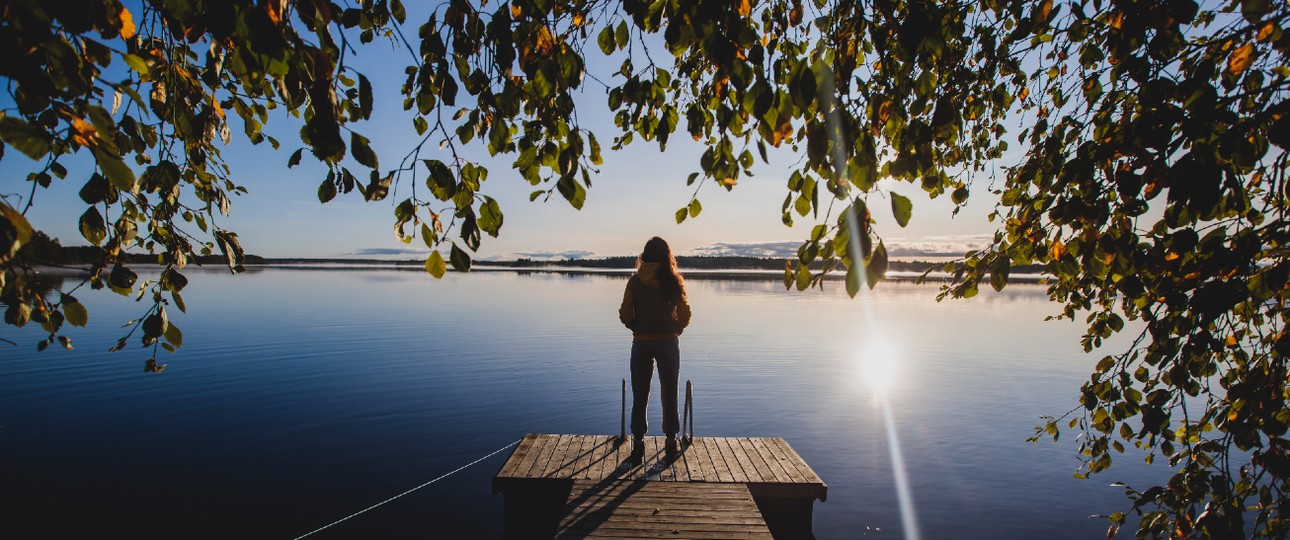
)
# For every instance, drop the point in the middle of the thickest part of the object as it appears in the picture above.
(634, 196)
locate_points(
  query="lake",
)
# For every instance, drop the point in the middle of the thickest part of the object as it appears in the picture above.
(303, 395)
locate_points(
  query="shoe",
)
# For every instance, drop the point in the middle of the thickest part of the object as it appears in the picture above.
(638, 449)
(669, 447)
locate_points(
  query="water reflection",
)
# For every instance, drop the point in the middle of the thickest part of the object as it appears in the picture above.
(879, 365)
(332, 392)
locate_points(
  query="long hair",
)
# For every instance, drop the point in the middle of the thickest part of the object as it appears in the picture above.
(656, 251)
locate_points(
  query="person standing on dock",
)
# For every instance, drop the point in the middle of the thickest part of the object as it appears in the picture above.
(656, 310)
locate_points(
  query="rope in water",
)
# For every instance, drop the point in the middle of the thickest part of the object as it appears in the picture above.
(457, 470)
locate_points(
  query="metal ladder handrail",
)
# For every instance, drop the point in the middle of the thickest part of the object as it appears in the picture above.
(687, 414)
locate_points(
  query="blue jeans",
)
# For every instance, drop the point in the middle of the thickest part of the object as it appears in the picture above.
(667, 353)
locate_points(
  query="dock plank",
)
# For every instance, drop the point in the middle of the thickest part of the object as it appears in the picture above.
(771, 472)
(537, 456)
(521, 452)
(570, 458)
(688, 460)
(806, 474)
(766, 462)
(710, 471)
(773, 450)
(738, 463)
(554, 458)
(644, 509)
(582, 462)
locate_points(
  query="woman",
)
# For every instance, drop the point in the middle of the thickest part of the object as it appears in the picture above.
(656, 310)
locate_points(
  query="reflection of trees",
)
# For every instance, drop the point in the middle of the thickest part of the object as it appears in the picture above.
(44, 283)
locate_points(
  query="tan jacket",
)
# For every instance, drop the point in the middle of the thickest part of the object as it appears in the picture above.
(647, 274)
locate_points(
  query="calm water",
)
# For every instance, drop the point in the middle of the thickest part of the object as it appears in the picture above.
(301, 396)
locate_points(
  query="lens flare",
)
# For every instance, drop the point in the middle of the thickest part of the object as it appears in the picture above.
(878, 360)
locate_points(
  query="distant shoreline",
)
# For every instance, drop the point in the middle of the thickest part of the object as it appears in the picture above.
(725, 268)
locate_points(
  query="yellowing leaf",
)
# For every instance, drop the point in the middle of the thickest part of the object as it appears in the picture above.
(1056, 250)
(782, 132)
(1025, 92)
(1045, 9)
(83, 133)
(274, 10)
(127, 24)
(1116, 20)
(884, 111)
(1241, 59)
(744, 7)
(1266, 32)
(215, 106)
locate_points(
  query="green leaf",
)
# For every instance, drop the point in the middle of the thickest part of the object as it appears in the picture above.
(681, 215)
(116, 171)
(92, 226)
(154, 326)
(802, 205)
(435, 265)
(121, 279)
(295, 158)
(327, 189)
(606, 40)
(853, 279)
(876, 268)
(595, 156)
(28, 139)
(362, 151)
(232, 249)
(460, 259)
(572, 191)
(173, 335)
(14, 232)
(135, 63)
(74, 311)
(490, 216)
(364, 96)
(378, 187)
(902, 208)
(620, 34)
(695, 208)
(999, 272)
(66, 342)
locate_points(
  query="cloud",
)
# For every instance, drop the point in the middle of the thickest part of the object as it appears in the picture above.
(548, 255)
(387, 251)
(928, 246)
(749, 249)
(937, 246)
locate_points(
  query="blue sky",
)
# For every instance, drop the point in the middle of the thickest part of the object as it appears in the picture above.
(633, 198)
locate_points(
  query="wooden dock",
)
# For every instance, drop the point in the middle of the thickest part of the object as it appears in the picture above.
(586, 486)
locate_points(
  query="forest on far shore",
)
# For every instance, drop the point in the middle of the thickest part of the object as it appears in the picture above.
(49, 251)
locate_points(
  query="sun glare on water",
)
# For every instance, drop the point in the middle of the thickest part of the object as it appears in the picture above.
(879, 365)
(879, 368)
